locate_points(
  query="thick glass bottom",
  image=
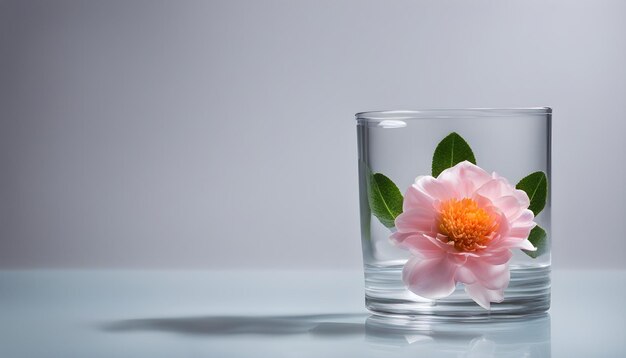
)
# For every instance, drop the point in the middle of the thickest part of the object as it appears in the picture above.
(385, 294)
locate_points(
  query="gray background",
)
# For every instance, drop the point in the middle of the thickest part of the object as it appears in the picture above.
(220, 133)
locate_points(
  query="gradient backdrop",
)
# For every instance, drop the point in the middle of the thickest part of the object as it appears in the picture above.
(220, 134)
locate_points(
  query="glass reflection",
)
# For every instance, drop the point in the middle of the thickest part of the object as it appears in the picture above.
(501, 337)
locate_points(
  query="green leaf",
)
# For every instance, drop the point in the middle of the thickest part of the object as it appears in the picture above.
(536, 186)
(539, 239)
(452, 150)
(384, 198)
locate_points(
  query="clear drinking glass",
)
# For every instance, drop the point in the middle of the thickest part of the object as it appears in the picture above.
(400, 144)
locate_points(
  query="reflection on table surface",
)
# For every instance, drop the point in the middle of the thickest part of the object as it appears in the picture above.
(497, 337)
(284, 314)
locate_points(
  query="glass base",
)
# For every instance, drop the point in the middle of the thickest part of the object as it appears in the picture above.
(385, 294)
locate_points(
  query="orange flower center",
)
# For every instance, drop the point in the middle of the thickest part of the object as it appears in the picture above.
(466, 226)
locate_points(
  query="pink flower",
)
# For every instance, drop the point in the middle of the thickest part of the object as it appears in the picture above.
(461, 227)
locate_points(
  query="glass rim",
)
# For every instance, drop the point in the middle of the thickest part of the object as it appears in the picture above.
(430, 113)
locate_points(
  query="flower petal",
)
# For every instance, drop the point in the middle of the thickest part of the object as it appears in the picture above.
(417, 221)
(510, 206)
(465, 177)
(484, 296)
(514, 243)
(522, 225)
(430, 278)
(503, 228)
(493, 277)
(464, 275)
(513, 236)
(420, 244)
(415, 198)
(441, 241)
(496, 188)
(499, 257)
(527, 216)
(520, 232)
(435, 189)
(398, 237)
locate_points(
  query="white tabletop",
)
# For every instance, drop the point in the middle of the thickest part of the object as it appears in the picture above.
(281, 314)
